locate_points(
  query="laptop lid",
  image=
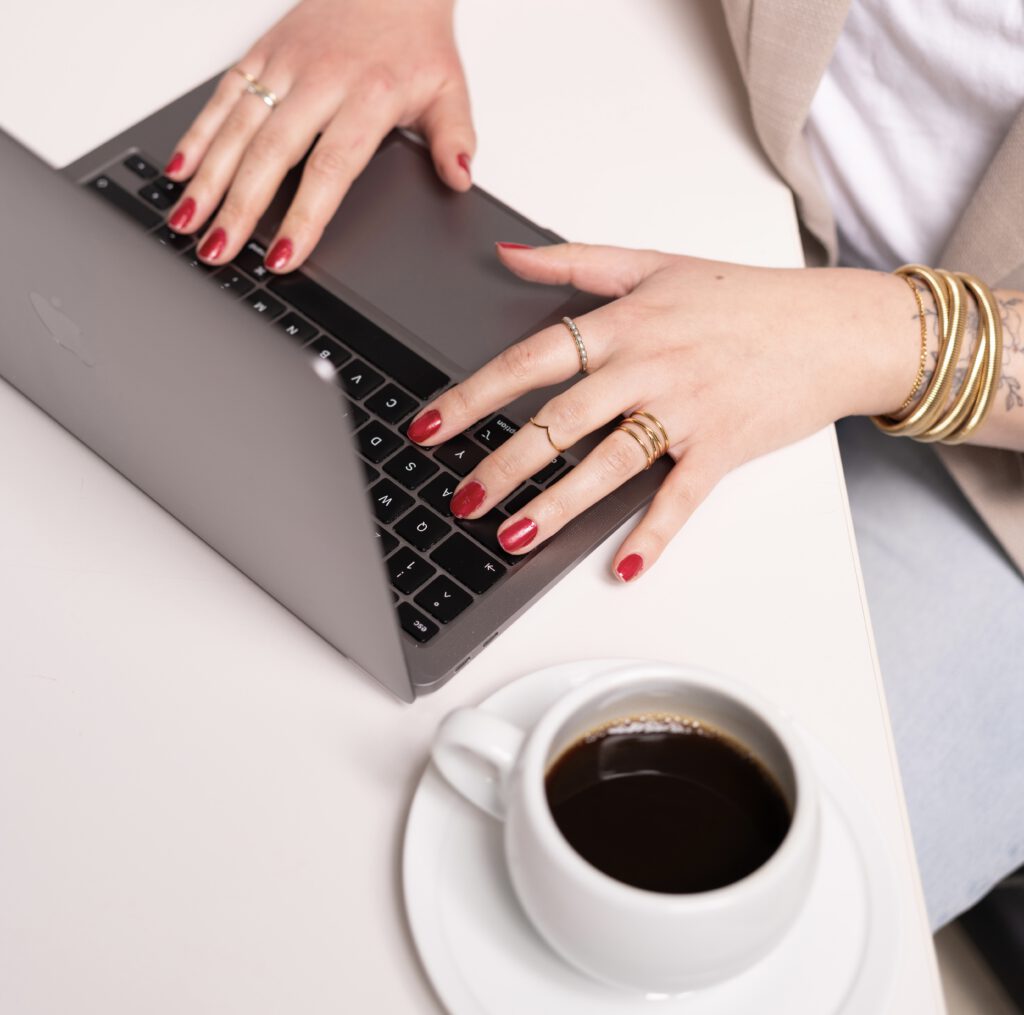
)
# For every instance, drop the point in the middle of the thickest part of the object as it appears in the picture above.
(230, 429)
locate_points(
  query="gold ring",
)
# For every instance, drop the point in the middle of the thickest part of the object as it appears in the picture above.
(653, 443)
(547, 433)
(581, 349)
(253, 87)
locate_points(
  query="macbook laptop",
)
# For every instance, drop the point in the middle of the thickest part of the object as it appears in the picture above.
(268, 413)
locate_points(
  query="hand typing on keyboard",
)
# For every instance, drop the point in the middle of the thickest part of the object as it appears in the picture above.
(348, 70)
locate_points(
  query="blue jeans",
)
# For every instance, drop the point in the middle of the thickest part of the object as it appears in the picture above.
(947, 607)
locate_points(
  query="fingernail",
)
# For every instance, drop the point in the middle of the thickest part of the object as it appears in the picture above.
(518, 534)
(629, 567)
(463, 160)
(280, 254)
(513, 246)
(214, 245)
(468, 499)
(424, 426)
(174, 166)
(182, 214)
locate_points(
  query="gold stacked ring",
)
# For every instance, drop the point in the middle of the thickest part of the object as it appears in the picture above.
(581, 349)
(652, 440)
(547, 433)
(253, 87)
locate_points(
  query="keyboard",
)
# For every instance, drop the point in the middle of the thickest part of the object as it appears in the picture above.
(439, 566)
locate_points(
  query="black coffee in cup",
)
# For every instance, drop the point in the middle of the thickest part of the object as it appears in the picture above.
(667, 804)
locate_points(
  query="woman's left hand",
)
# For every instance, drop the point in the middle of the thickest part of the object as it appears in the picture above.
(734, 361)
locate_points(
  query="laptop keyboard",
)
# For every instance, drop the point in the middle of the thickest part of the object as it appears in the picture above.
(438, 565)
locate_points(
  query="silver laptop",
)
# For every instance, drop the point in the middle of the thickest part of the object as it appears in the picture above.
(268, 414)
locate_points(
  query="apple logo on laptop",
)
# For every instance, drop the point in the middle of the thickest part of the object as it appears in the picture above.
(62, 328)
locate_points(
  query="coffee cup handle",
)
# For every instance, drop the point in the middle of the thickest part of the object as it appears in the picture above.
(475, 752)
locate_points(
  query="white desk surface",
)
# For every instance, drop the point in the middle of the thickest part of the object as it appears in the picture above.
(201, 804)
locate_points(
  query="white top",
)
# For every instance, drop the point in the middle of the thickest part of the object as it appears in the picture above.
(913, 106)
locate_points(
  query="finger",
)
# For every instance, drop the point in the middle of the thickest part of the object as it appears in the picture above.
(691, 480)
(605, 271)
(614, 461)
(447, 125)
(545, 358)
(345, 147)
(195, 142)
(276, 146)
(568, 417)
(206, 188)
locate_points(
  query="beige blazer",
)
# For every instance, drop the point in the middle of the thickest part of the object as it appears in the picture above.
(783, 48)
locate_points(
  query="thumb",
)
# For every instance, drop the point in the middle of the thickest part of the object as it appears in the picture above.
(447, 124)
(604, 271)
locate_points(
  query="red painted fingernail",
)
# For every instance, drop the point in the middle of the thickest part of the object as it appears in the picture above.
(629, 567)
(513, 246)
(463, 160)
(174, 166)
(280, 254)
(214, 245)
(182, 214)
(518, 534)
(424, 426)
(468, 499)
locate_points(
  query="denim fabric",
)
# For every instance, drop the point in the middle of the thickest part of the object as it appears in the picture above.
(947, 608)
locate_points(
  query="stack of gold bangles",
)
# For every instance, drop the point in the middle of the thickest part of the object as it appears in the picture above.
(950, 409)
(653, 439)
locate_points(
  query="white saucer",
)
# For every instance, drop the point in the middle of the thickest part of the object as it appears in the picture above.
(484, 958)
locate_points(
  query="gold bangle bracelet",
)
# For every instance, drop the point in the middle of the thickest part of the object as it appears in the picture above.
(922, 364)
(988, 313)
(950, 296)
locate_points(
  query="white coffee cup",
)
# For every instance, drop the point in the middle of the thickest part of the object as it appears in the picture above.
(631, 937)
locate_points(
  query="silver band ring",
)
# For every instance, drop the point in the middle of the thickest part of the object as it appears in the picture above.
(581, 349)
(253, 87)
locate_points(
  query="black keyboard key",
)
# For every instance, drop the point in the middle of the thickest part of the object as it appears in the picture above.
(548, 473)
(519, 500)
(123, 201)
(141, 167)
(460, 454)
(374, 344)
(356, 413)
(372, 475)
(154, 195)
(411, 468)
(391, 404)
(194, 262)
(169, 187)
(176, 241)
(388, 501)
(250, 260)
(465, 561)
(232, 280)
(438, 493)
(387, 541)
(376, 441)
(265, 305)
(495, 432)
(359, 380)
(485, 532)
(422, 529)
(443, 599)
(327, 350)
(408, 570)
(295, 327)
(413, 622)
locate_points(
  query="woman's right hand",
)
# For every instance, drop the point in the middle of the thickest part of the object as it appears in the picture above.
(348, 70)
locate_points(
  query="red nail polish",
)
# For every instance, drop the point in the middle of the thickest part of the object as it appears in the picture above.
(174, 166)
(424, 426)
(629, 567)
(463, 160)
(280, 254)
(468, 499)
(513, 246)
(518, 534)
(182, 214)
(214, 245)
